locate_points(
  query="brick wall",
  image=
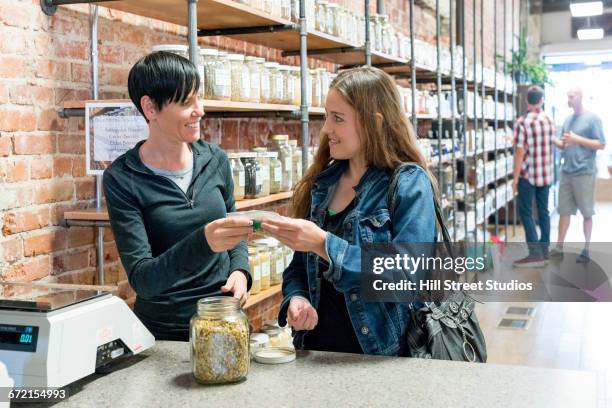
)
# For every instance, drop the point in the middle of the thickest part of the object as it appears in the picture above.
(44, 61)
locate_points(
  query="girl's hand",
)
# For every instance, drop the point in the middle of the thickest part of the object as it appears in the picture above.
(299, 235)
(301, 315)
(226, 233)
(237, 284)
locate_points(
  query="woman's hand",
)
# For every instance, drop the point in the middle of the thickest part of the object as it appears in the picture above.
(297, 234)
(301, 315)
(226, 233)
(237, 284)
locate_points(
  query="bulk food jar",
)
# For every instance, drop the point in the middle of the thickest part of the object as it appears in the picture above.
(296, 161)
(253, 182)
(208, 62)
(219, 339)
(276, 173)
(280, 144)
(277, 261)
(264, 259)
(264, 164)
(241, 78)
(266, 82)
(321, 15)
(255, 78)
(255, 267)
(297, 86)
(238, 175)
(223, 77)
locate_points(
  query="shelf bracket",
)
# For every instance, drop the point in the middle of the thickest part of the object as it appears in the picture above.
(49, 7)
(66, 113)
(249, 30)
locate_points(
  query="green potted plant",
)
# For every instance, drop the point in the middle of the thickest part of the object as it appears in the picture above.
(524, 71)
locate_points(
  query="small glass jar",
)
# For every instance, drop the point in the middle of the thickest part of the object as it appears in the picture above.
(219, 341)
(275, 82)
(288, 256)
(223, 78)
(177, 49)
(208, 61)
(332, 19)
(268, 6)
(288, 85)
(321, 15)
(296, 161)
(277, 263)
(264, 259)
(253, 184)
(265, 85)
(324, 81)
(295, 11)
(238, 175)
(285, 8)
(315, 82)
(280, 144)
(341, 22)
(297, 86)
(255, 267)
(255, 78)
(241, 78)
(276, 173)
(264, 164)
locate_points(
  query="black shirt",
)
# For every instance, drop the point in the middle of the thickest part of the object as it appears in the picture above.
(334, 331)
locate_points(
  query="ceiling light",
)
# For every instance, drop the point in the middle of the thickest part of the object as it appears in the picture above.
(590, 34)
(590, 8)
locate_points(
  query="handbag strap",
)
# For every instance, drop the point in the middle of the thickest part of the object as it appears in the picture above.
(391, 198)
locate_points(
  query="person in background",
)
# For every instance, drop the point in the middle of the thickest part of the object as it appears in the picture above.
(533, 159)
(341, 204)
(167, 200)
(582, 136)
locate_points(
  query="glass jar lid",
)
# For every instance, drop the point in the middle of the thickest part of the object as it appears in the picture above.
(250, 58)
(272, 64)
(280, 137)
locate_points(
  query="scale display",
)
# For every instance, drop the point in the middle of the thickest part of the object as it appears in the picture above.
(18, 338)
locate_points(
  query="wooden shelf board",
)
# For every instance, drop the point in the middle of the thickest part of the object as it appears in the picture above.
(212, 14)
(217, 106)
(263, 295)
(95, 214)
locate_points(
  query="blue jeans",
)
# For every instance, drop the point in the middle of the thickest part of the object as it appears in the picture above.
(526, 193)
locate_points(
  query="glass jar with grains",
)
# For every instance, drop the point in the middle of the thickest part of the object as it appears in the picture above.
(219, 341)
(241, 78)
(238, 175)
(255, 267)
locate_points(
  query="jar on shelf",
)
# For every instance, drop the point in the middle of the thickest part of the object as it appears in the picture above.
(265, 86)
(264, 259)
(288, 255)
(285, 8)
(241, 78)
(255, 78)
(219, 341)
(315, 82)
(324, 81)
(284, 74)
(264, 164)
(333, 19)
(297, 86)
(280, 144)
(255, 267)
(341, 22)
(296, 161)
(276, 82)
(206, 69)
(386, 34)
(288, 85)
(268, 6)
(253, 177)
(295, 11)
(321, 15)
(276, 173)
(223, 77)
(277, 261)
(177, 49)
(238, 175)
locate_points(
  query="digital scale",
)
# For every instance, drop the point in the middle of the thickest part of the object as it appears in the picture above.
(51, 336)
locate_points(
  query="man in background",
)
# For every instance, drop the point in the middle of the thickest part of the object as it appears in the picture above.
(582, 136)
(533, 139)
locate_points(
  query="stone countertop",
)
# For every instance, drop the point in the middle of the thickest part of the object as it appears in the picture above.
(161, 377)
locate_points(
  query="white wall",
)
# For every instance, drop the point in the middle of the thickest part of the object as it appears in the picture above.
(556, 37)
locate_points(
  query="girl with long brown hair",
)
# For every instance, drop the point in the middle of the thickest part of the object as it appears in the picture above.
(341, 204)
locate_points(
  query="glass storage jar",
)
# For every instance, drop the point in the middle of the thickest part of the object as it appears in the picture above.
(280, 144)
(324, 82)
(267, 6)
(332, 19)
(253, 184)
(283, 72)
(286, 9)
(297, 86)
(177, 49)
(315, 81)
(288, 255)
(296, 161)
(223, 77)
(238, 175)
(219, 341)
(276, 173)
(264, 164)
(264, 258)
(255, 78)
(208, 60)
(288, 85)
(241, 79)
(279, 262)
(255, 267)
(295, 11)
(321, 15)
(265, 86)
(276, 82)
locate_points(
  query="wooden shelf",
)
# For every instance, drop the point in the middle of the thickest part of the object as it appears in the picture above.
(263, 295)
(216, 106)
(95, 214)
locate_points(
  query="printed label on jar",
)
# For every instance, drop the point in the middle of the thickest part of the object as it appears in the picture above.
(259, 177)
(256, 273)
(288, 163)
(280, 266)
(265, 269)
(246, 84)
(278, 173)
(241, 181)
(266, 173)
(222, 77)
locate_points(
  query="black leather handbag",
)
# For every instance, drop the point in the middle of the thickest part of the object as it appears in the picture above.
(447, 330)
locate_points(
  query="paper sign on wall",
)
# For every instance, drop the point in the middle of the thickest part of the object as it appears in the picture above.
(111, 129)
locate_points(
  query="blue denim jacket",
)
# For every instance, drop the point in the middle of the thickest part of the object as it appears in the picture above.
(380, 327)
